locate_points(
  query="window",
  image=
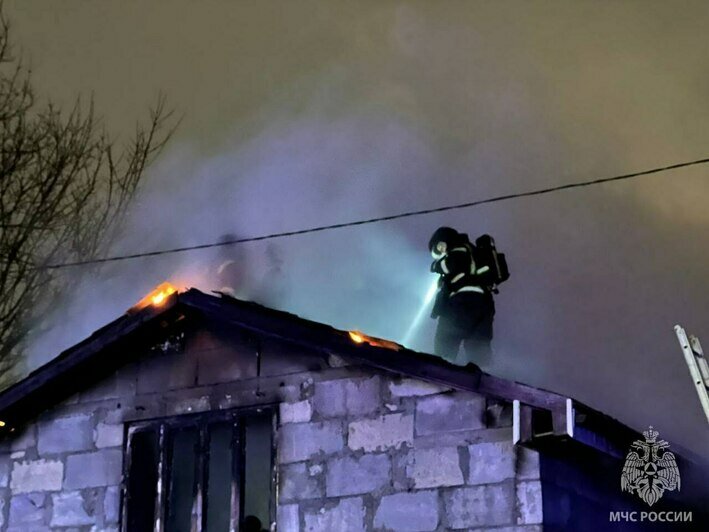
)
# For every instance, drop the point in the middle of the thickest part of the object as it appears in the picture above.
(210, 473)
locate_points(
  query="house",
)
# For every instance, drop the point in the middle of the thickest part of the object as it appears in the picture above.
(194, 411)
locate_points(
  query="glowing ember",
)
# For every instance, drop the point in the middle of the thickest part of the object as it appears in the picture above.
(356, 337)
(158, 297)
(361, 338)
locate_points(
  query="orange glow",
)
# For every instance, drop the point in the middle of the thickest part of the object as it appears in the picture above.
(157, 297)
(356, 337)
(361, 338)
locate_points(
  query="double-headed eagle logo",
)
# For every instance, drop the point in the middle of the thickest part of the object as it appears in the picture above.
(650, 469)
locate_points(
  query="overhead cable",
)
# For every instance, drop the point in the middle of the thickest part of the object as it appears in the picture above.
(408, 214)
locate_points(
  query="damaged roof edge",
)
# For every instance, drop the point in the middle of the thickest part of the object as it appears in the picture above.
(572, 419)
(68, 366)
(65, 374)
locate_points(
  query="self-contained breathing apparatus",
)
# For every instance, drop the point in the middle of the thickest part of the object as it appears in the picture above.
(486, 255)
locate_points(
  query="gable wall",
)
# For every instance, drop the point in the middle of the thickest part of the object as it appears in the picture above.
(357, 449)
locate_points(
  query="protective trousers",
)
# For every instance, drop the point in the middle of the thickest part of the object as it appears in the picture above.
(466, 318)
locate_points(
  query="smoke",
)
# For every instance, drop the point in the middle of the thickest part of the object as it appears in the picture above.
(383, 108)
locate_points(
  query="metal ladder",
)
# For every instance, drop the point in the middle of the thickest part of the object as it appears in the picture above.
(697, 363)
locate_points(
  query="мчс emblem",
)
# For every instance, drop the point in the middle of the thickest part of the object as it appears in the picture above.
(650, 469)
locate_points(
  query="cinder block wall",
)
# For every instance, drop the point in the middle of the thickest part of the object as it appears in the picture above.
(357, 450)
(62, 471)
(381, 453)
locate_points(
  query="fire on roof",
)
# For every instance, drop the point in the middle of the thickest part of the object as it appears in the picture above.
(156, 298)
(360, 338)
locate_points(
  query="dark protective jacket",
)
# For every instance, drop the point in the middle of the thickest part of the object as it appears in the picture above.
(458, 274)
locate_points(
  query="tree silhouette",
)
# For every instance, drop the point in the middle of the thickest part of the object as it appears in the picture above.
(64, 188)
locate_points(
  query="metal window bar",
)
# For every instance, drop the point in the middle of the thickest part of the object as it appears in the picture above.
(697, 364)
(162, 480)
(237, 475)
(166, 429)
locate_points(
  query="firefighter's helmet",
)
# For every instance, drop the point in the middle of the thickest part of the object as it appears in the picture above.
(448, 235)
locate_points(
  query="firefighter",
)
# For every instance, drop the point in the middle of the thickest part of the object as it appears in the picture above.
(463, 305)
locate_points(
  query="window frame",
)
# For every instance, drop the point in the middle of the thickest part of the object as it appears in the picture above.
(201, 421)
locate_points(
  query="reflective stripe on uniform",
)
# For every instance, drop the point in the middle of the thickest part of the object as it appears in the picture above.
(483, 269)
(444, 267)
(457, 277)
(468, 289)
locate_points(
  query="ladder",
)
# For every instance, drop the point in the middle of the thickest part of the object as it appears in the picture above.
(697, 363)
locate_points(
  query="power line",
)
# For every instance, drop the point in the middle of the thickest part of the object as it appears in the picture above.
(408, 214)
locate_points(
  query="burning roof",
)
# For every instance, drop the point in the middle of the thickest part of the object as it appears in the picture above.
(156, 298)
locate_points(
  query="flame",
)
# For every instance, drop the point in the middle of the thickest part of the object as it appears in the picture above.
(361, 338)
(356, 337)
(157, 297)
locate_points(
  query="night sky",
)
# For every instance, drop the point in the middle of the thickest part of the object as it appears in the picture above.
(299, 114)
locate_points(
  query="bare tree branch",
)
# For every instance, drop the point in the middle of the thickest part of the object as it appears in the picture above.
(64, 189)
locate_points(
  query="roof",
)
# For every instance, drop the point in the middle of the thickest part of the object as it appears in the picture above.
(567, 421)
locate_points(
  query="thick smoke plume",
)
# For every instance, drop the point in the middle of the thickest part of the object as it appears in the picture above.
(430, 104)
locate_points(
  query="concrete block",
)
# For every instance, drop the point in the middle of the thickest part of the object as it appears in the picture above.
(302, 441)
(336, 361)
(461, 438)
(401, 464)
(343, 397)
(298, 484)
(414, 388)
(408, 512)
(351, 476)
(300, 412)
(101, 391)
(92, 470)
(221, 365)
(449, 413)
(111, 504)
(288, 517)
(527, 464)
(106, 435)
(384, 432)
(432, 468)
(480, 506)
(4, 471)
(127, 380)
(347, 514)
(166, 372)
(529, 503)
(71, 509)
(37, 475)
(28, 510)
(66, 434)
(25, 439)
(189, 405)
(491, 462)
